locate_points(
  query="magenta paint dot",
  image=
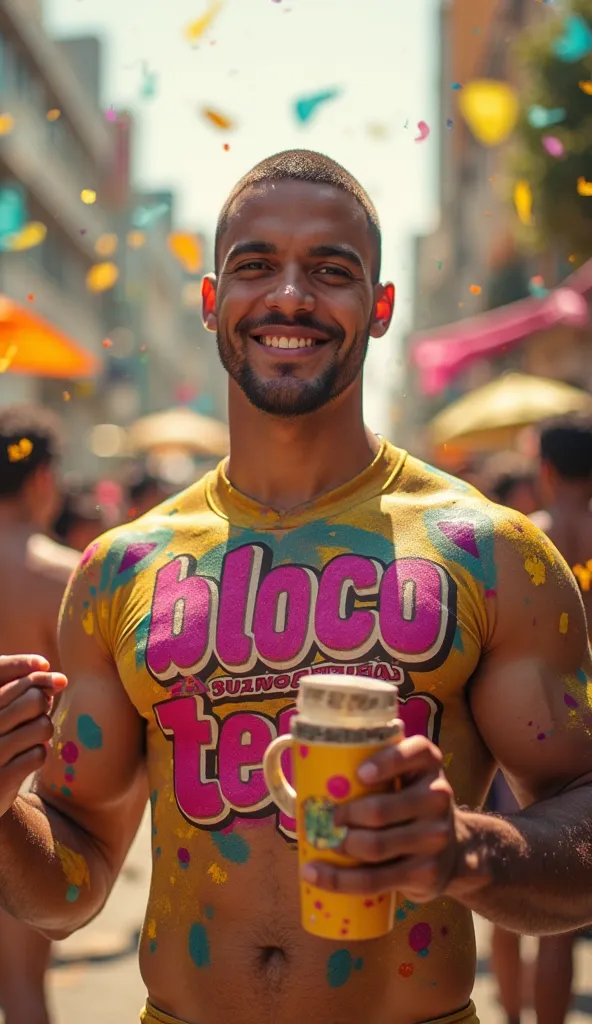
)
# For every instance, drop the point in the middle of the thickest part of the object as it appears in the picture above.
(303, 750)
(569, 700)
(420, 936)
(318, 905)
(184, 855)
(553, 145)
(338, 787)
(541, 736)
(70, 753)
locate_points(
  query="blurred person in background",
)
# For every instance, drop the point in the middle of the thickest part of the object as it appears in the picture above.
(80, 520)
(510, 479)
(145, 492)
(35, 570)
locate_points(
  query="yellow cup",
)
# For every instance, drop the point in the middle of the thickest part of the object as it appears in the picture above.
(339, 725)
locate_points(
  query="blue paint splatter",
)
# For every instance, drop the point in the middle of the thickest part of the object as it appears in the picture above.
(89, 733)
(117, 569)
(141, 639)
(199, 947)
(72, 893)
(209, 912)
(153, 945)
(153, 798)
(66, 791)
(581, 676)
(92, 591)
(340, 965)
(232, 847)
(473, 527)
(158, 851)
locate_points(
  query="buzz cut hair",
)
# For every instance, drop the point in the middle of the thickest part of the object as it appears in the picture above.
(305, 165)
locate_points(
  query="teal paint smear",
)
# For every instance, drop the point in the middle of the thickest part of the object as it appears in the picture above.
(89, 733)
(153, 945)
(199, 947)
(483, 569)
(459, 485)
(153, 798)
(141, 639)
(339, 967)
(209, 912)
(72, 893)
(111, 578)
(581, 676)
(232, 847)
(66, 791)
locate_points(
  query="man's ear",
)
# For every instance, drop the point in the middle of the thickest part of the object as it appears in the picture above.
(384, 307)
(208, 303)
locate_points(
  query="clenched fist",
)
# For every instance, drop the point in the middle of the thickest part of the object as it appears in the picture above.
(27, 689)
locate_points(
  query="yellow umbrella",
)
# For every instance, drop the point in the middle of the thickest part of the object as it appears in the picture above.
(179, 430)
(492, 415)
(31, 345)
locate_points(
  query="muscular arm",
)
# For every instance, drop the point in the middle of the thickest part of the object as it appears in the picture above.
(532, 703)
(62, 846)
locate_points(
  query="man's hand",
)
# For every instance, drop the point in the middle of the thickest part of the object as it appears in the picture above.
(405, 840)
(27, 689)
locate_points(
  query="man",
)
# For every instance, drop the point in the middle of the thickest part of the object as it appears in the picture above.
(80, 519)
(35, 571)
(510, 479)
(315, 544)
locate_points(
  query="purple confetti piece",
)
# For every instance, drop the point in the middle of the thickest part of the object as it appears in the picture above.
(553, 145)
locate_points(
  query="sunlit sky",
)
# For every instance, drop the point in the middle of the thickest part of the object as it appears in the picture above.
(254, 61)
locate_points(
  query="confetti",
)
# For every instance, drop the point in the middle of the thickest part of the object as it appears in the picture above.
(553, 146)
(536, 570)
(111, 114)
(226, 147)
(145, 216)
(544, 117)
(523, 202)
(586, 87)
(216, 118)
(88, 196)
(424, 131)
(12, 212)
(101, 277)
(106, 245)
(107, 343)
(31, 235)
(576, 41)
(148, 83)
(563, 622)
(20, 451)
(584, 187)
(306, 106)
(6, 124)
(53, 115)
(475, 289)
(490, 109)
(187, 249)
(456, 86)
(197, 28)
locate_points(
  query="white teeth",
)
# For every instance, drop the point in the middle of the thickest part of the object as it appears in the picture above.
(274, 342)
(283, 342)
(309, 342)
(293, 343)
(301, 342)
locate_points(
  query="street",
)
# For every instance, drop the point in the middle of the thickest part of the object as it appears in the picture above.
(95, 977)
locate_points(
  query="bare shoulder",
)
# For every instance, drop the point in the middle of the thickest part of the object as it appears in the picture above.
(46, 558)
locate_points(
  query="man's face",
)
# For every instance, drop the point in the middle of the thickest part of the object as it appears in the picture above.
(295, 301)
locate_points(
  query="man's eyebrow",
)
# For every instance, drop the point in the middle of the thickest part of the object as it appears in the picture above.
(245, 248)
(341, 251)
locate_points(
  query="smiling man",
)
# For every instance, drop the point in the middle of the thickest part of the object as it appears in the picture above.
(316, 544)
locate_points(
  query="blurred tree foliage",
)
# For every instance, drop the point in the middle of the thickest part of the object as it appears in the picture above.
(563, 218)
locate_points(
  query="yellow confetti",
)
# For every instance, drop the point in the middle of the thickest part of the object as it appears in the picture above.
(536, 570)
(6, 124)
(22, 450)
(201, 25)
(136, 239)
(217, 875)
(187, 248)
(88, 196)
(563, 622)
(53, 115)
(27, 238)
(151, 929)
(106, 245)
(216, 118)
(101, 277)
(523, 202)
(74, 866)
(584, 187)
(490, 109)
(586, 87)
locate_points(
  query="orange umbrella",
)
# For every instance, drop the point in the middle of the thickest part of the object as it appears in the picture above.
(31, 345)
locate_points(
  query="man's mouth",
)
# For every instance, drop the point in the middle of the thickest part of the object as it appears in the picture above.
(280, 341)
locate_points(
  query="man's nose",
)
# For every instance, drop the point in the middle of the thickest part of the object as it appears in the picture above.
(291, 293)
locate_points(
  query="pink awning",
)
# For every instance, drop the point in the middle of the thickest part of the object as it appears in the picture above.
(441, 354)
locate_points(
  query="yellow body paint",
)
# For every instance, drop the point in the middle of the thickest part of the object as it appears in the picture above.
(88, 621)
(563, 622)
(217, 874)
(74, 866)
(536, 570)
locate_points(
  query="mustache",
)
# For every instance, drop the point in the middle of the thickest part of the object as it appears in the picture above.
(248, 325)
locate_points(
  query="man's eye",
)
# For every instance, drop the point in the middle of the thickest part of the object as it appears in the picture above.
(252, 265)
(330, 271)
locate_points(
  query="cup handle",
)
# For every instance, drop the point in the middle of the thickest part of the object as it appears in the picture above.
(280, 789)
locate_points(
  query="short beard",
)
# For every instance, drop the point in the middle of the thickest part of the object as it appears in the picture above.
(288, 396)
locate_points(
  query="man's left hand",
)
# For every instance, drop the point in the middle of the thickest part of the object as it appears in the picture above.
(406, 839)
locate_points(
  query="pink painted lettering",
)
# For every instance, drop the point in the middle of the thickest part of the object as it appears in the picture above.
(244, 738)
(238, 590)
(339, 628)
(413, 609)
(183, 612)
(193, 733)
(284, 614)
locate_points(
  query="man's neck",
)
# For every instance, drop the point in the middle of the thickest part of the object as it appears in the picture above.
(284, 463)
(570, 498)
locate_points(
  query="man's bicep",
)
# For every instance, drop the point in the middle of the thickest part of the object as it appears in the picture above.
(94, 770)
(531, 697)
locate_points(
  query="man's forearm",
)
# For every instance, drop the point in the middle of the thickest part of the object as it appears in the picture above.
(530, 872)
(52, 877)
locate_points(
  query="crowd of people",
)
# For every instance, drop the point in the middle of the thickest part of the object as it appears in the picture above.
(181, 640)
